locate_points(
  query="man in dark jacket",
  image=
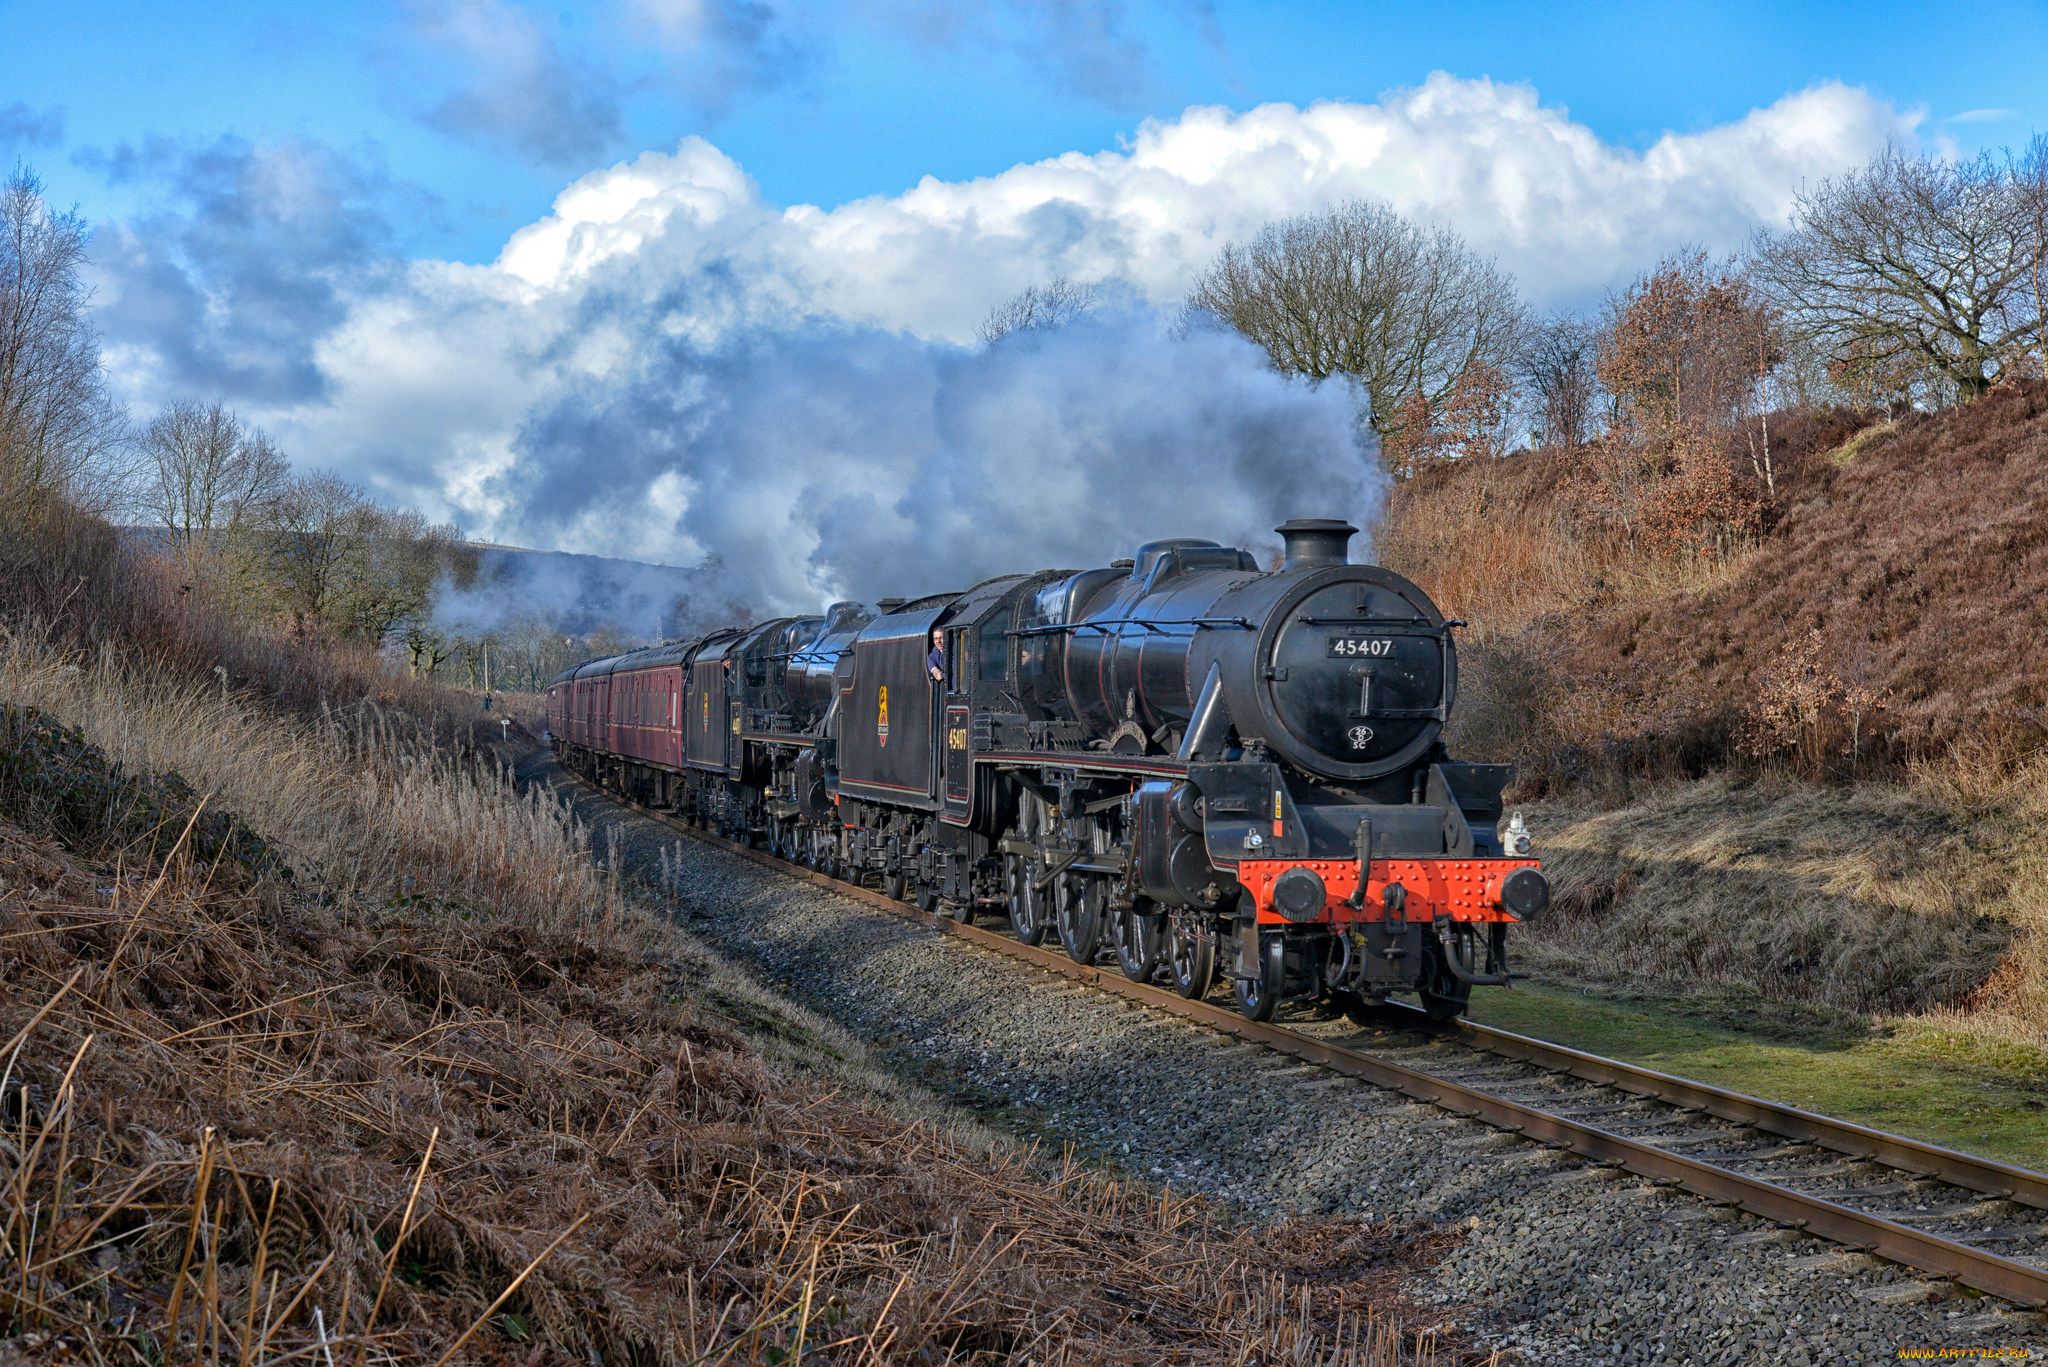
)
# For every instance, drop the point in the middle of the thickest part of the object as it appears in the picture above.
(935, 663)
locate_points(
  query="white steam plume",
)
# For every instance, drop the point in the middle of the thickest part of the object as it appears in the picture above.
(828, 462)
(569, 594)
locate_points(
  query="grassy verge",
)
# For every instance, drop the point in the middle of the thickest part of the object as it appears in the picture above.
(1918, 1078)
(1876, 951)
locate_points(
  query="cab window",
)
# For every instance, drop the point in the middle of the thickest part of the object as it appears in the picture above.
(993, 647)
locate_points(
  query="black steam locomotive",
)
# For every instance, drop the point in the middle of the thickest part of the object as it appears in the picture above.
(1214, 768)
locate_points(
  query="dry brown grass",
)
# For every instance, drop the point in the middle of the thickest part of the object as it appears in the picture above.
(2011, 1004)
(1925, 898)
(1865, 898)
(362, 800)
(453, 1083)
(1912, 556)
(253, 1131)
(1529, 553)
(94, 591)
(1508, 547)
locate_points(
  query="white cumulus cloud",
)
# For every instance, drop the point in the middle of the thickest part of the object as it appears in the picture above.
(508, 395)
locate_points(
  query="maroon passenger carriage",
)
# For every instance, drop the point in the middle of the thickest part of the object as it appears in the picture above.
(1209, 767)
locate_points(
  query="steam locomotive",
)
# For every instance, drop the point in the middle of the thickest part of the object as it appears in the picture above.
(1214, 769)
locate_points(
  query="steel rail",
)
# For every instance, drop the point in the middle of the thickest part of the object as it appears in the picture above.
(1892, 1151)
(2020, 1283)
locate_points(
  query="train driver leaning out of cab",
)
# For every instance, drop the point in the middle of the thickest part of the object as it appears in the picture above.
(935, 663)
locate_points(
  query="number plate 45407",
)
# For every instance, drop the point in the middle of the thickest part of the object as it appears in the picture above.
(1360, 647)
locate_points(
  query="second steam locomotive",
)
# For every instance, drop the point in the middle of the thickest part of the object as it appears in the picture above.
(1217, 770)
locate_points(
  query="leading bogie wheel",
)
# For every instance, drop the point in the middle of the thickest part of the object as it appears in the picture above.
(1444, 1006)
(1137, 931)
(1027, 904)
(1191, 959)
(1445, 996)
(1079, 908)
(893, 885)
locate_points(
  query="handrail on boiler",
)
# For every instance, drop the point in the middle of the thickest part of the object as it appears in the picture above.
(1199, 623)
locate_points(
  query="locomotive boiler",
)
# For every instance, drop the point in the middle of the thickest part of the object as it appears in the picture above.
(1214, 770)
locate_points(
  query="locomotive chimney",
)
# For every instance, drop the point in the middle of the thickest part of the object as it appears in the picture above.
(1313, 541)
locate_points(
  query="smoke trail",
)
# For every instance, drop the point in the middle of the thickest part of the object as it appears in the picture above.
(573, 594)
(829, 462)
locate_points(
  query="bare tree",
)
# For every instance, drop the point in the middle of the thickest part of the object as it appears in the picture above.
(1914, 271)
(1806, 378)
(1558, 365)
(316, 539)
(534, 652)
(426, 648)
(2030, 177)
(207, 480)
(1361, 291)
(1038, 307)
(59, 429)
(363, 571)
(405, 557)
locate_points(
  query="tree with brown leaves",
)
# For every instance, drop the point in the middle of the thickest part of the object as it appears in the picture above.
(1685, 345)
(1683, 354)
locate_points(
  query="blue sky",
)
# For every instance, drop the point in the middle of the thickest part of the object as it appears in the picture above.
(573, 276)
(827, 103)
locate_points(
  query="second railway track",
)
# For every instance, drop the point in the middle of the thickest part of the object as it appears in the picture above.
(1975, 1221)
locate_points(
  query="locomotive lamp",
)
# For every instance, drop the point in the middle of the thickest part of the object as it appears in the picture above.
(1514, 842)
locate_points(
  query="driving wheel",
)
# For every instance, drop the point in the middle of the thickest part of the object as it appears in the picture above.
(1138, 931)
(1192, 961)
(1078, 904)
(1027, 904)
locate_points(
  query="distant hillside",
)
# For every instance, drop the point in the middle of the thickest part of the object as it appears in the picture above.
(564, 592)
(574, 594)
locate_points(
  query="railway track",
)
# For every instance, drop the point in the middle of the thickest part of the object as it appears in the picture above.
(1920, 1205)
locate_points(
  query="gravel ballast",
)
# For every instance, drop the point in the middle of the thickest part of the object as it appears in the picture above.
(1567, 1262)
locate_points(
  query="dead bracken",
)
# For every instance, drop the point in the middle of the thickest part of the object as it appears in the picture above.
(248, 1122)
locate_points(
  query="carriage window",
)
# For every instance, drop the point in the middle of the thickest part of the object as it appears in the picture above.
(994, 649)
